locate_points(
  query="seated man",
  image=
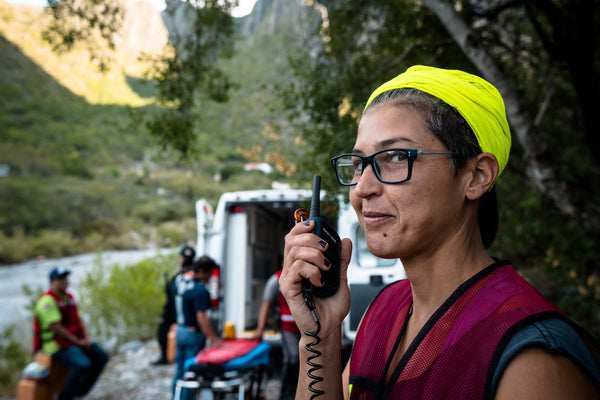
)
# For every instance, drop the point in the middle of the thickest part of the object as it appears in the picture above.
(60, 332)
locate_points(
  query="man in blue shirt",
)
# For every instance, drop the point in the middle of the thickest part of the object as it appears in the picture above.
(191, 302)
(186, 259)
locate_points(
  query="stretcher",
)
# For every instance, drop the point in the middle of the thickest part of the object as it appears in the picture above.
(220, 372)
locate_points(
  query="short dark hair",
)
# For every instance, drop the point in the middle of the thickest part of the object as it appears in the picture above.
(204, 263)
(187, 254)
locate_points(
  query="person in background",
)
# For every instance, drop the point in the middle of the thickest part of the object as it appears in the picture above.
(192, 300)
(186, 258)
(290, 335)
(59, 331)
(430, 147)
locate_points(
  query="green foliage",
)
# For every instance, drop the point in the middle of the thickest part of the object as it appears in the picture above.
(229, 170)
(190, 75)
(93, 175)
(88, 175)
(54, 243)
(33, 294)
(60, 243)
(367, 43)
(175, 233)
(123, 303)
(326, 99)
(118, 303)
(553, 252)
(13, 358)
(87, 22)
(162, 210)
(14, 248)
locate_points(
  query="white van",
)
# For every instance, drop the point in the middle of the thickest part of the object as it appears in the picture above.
(246, 237)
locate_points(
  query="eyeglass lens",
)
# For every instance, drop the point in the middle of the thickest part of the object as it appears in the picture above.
(390, 166)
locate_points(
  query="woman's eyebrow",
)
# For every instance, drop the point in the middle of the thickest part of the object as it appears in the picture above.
(387, 143)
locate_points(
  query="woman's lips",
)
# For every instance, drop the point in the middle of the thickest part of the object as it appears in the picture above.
(372, 217)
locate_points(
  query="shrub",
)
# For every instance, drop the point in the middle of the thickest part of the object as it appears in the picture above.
(14, 248)
(173, 233)
(13, 358)
(123, 303)
(55, 244)
(230, 170)
(124, 241)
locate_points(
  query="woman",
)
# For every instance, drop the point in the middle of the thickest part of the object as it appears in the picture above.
(430, 146)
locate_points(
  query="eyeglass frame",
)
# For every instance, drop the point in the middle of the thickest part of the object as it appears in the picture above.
(413, 154)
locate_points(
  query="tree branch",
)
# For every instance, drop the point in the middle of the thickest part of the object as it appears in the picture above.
(542, 175)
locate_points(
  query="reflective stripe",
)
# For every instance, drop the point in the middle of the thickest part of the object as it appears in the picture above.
(182, 284)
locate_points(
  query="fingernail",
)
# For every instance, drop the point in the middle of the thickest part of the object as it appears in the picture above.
(322, 243)
(307, 223)
(327, 263)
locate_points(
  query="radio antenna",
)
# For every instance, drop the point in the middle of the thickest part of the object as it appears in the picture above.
(315, 203)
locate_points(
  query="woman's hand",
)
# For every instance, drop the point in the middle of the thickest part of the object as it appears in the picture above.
(304, 259)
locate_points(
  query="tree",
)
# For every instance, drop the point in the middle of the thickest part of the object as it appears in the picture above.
(91, 23)
(557, 36)
(188, 74)
(530, 51)
(185, 75)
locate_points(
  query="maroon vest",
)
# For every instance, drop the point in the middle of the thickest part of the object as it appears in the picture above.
(454, 355)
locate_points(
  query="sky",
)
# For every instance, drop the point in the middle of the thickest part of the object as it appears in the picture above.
(244, 8)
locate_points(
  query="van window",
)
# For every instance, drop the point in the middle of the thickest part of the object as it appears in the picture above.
(364, 258)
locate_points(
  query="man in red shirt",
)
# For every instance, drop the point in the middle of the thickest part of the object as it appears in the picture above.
(290, 335)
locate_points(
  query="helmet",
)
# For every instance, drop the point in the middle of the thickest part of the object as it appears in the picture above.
(188, 253)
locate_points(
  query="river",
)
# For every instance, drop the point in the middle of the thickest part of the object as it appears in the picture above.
(34, 274)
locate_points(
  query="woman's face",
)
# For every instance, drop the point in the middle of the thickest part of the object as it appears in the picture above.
(406, 219)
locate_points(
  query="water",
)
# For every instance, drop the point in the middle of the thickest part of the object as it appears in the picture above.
(34, 275)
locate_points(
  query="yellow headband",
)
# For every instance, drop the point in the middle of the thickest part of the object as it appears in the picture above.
(479, 103)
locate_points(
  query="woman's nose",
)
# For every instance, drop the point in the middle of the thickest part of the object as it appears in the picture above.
(367, 184)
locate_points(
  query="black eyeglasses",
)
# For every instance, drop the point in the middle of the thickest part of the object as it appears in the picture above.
(389, 165)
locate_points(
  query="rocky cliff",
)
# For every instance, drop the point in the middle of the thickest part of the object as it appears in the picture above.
(143, 30)
(266, 18)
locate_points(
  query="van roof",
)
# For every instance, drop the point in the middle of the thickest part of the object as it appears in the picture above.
(265, 195)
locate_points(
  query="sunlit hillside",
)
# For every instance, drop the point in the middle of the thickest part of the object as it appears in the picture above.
(81, 170)
(143, 32)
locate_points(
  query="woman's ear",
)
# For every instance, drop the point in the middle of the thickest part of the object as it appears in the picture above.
(484, 170)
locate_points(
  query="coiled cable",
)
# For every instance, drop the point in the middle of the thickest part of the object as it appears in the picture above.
(309, 347)
(302, 215)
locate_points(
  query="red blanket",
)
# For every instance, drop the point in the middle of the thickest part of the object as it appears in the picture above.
(231, 349)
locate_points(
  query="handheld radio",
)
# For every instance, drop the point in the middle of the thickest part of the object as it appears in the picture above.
(331, 277)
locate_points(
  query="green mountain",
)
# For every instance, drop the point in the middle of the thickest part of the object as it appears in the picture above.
(81, 171)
